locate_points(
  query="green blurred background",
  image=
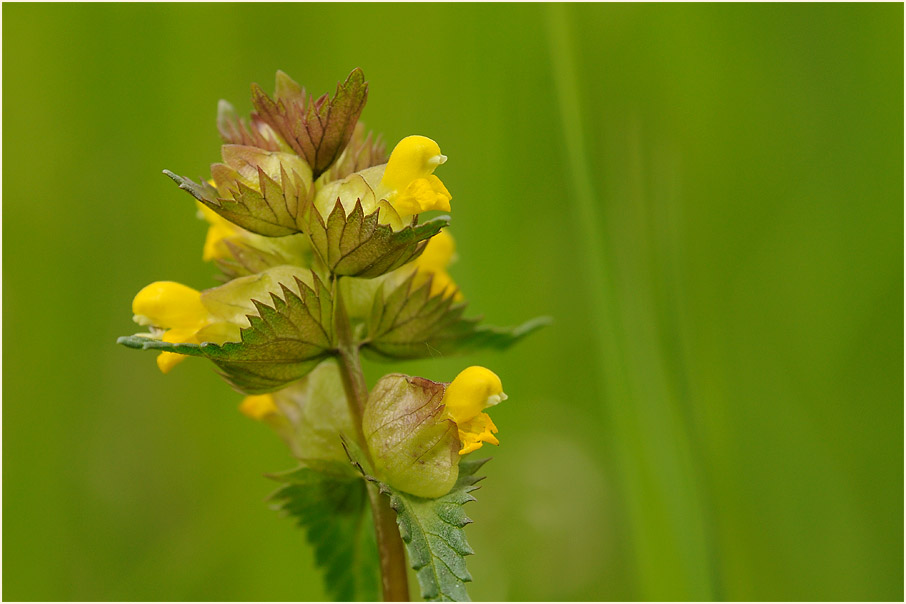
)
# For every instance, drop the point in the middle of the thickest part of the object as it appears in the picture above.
(706, 198)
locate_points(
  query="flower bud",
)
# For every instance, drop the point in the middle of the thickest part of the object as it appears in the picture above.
(413, 444)
(241, 164)
(253, 132)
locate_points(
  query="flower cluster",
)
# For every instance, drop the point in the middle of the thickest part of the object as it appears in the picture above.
(329, 250)
(320, 243)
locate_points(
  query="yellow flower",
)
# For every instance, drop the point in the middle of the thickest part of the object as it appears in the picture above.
(294, 248)
(473, 390)
(409, 180)
(220, 229)
(264, 408)
(358, 187)
(433, 263)
(175, 308)
(258, 406)
(404, 186)
(188, 316)
(182, 313)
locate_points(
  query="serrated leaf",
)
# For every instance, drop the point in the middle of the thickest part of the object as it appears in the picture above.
(146, 342)
(272, 211)
(432, 530)
(331, 503)
(282, 343)
(410, 323)
(318, 130)
(237, 131)
(363, 152)
(356, 245)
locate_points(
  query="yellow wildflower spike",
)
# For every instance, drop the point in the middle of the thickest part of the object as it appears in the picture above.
(258, 406)
(473, 390)
(409, 177)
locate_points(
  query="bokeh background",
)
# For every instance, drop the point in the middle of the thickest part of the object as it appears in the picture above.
(707, 199)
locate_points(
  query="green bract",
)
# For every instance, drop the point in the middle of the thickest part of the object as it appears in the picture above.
(271, 207)
(315, 410)
(318, 130)
(410, 323)
(356, 245)
(413, 447)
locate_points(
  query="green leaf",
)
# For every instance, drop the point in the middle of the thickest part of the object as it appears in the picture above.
(330, 502)
(358, 246)
(146, 342)
(318, 130)
(282, 343)
(432, 530)
(271, 211)
(409, 324)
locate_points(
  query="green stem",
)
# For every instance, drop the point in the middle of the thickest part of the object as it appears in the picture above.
(394, 575)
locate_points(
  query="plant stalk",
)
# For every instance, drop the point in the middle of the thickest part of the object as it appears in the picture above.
(394, 575)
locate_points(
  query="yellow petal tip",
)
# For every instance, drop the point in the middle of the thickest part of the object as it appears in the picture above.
(258, 406)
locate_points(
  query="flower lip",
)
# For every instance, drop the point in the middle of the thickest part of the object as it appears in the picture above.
(495, 399)
(143, 321)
